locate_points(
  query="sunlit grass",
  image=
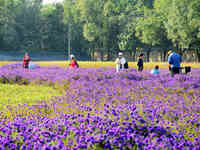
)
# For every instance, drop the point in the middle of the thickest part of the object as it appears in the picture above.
(97, 64)
(11, 94)
(6, 62)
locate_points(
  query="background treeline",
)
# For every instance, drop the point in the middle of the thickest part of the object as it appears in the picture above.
(94, 29)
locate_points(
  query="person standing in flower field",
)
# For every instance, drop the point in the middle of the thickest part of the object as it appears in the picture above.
(174, 61)
(26, 60)
(140, 63)
(73, 63)
(121, 62)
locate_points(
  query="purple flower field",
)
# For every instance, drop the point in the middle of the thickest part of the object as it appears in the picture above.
(102, 109)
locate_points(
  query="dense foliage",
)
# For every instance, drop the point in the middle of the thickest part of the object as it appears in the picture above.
(103, 109)
(105, 26)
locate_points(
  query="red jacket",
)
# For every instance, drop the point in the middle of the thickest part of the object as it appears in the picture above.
(73, 64)
(26, 61)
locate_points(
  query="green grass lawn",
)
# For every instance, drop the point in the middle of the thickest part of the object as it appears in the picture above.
(11, 94)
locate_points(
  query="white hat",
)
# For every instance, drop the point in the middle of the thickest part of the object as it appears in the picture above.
(120, 54)
(169, 52)
(71, 56)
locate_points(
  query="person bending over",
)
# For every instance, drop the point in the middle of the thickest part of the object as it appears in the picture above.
(73, 63)
(174, 61)
(155, 70)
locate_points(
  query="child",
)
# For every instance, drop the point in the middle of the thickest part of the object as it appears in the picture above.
(140, 63)
(32, 66)
(155, 70)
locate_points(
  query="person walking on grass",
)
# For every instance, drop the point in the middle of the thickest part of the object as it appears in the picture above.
(174, 61)
(120, 62)
(140, 63)
(73, 63)
(26, 60)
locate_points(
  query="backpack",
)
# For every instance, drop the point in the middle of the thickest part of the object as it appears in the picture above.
(126, 65)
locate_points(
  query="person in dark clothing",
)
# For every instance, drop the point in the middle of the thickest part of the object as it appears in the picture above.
(26, 60)
(140, 63)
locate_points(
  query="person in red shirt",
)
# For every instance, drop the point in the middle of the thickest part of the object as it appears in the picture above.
(26, 60)
(73, 63)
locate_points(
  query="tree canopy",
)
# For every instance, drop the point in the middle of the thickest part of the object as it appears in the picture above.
(103, 26)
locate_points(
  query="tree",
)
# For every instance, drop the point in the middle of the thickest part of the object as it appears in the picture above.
(101, 24)
(151, 31)
(194, 23)
(128, 21)
(7, 31)
(179, 18)
(74, 30)
(52, 27)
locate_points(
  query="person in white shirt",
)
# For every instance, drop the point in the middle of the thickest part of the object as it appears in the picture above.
(120, 61)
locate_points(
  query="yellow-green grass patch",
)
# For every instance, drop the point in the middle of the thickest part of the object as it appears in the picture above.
(13, 94)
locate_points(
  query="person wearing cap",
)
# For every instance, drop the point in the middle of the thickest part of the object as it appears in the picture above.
(174, 61)
(120, 61)
(140, 63)
(73, 63)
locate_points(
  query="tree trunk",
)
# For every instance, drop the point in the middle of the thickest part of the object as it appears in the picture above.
(198, 55)
(161, 56)
(130, 56)
(42, 45)
(101, 55)
(181, 51)
(133, 56)
(164, 56)
(92, 54)
(108, 55)
(148, 55)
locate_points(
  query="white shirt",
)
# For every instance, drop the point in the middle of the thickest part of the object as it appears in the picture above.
(120, 61)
